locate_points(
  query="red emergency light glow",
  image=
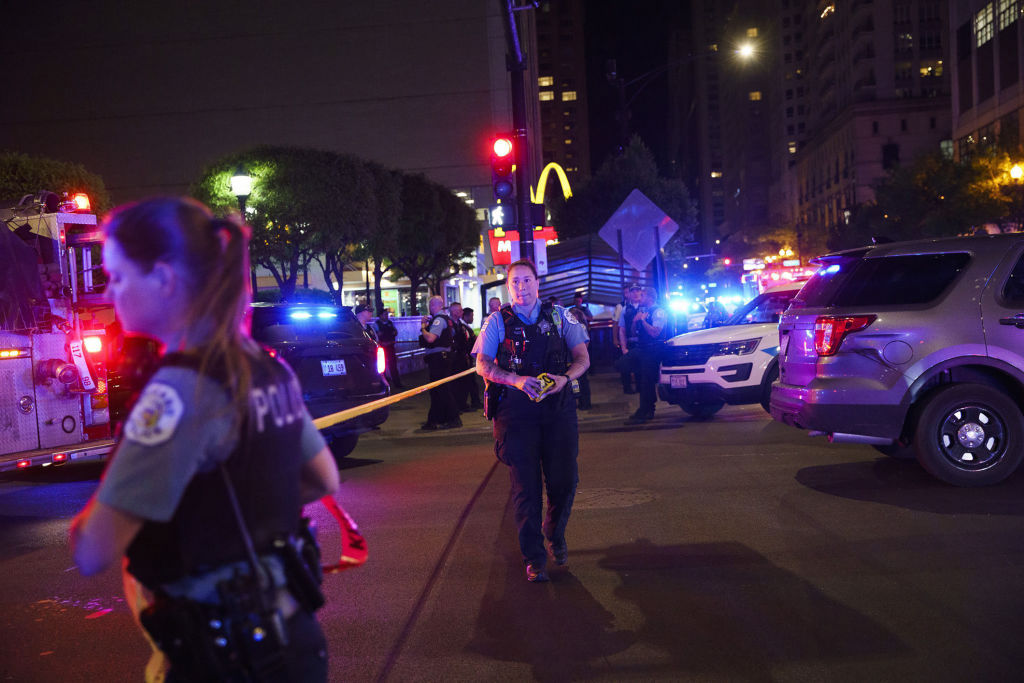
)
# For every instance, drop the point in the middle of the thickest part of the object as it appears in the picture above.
(22, 464)
(381, 360)
(93, 344)
(502, 147)
(60, 457)
(81, 202)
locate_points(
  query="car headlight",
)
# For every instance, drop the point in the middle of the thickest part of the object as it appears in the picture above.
(737, 348)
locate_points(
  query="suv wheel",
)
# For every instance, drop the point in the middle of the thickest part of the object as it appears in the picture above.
(970, 435)
(766, 387)
(702, 409)
(342, 446)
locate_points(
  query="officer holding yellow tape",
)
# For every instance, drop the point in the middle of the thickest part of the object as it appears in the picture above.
(530, 356)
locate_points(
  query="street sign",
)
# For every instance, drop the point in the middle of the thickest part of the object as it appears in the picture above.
(645, 229)
(505, 243)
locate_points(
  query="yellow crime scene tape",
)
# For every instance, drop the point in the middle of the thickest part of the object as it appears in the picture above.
(335, 418)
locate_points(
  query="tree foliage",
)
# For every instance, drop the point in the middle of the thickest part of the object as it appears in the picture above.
(594, 202)
(21, 174)
(935, 196)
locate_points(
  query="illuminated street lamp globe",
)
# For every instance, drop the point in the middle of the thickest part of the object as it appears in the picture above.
(746, 50)
(241, 187)
(1016, 172)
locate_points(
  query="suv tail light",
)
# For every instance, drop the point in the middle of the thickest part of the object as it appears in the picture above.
(381, 362)
(829, 331)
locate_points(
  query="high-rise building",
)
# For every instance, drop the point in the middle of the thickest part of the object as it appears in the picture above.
(868, 83)
(988, 91)
(562, 86)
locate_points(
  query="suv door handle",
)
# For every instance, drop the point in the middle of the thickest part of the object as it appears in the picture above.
(1017, 321)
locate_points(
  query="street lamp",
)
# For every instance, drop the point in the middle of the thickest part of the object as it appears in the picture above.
(241, 187)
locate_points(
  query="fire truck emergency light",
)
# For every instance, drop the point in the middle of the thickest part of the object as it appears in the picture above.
(81, 201)
(93, 344)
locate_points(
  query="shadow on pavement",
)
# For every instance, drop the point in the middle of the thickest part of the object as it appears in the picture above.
(905, 484)
(557, 628)
(725, 610)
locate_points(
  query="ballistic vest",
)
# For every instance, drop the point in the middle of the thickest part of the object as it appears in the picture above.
(445, 339)
(539, 347)
(264, 469)
(644, 339)
(628, 314)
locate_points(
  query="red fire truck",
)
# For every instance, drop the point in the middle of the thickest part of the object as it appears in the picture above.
(55, 334)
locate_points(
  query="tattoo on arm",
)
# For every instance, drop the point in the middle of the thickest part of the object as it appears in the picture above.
(486, 368)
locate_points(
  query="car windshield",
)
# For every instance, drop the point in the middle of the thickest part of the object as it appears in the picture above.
(278, 324)
(765, 308)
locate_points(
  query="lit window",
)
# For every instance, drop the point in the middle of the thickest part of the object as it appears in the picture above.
(792, 146)
(754, 95)
(983, 25)
(931, 69)
(716, 174)
(1009, 10)
(713, 47)
(545, 81)
(751, 33)
(567, 141)
(569, 96)
(546, 95)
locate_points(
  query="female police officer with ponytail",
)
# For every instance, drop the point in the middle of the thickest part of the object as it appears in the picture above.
(218, 441)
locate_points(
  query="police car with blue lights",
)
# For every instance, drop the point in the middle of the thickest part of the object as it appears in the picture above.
(337, 364)
(735, 363)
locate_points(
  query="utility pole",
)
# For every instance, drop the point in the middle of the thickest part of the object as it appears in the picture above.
(516, 65)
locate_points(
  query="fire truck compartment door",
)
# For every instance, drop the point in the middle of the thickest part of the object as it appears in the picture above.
(59, 411)
(17, 406)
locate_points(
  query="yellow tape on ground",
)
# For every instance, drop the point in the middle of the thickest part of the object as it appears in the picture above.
(335, 418)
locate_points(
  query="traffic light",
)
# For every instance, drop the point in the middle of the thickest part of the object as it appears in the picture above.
(503, 164)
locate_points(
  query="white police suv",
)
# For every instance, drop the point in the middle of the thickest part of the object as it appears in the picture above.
(734, 363)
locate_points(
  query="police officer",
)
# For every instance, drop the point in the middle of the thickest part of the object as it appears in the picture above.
(437, 335)
(364, 316)
(535, 433)
(583, 314)
(387, 334)
(650, 323)
(628, 364)
(223, 409)
(462, 344)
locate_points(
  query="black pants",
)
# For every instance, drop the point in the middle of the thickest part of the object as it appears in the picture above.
(391, 358)
(649, 365)
(539, 442)
(305, 659)
(442, 402)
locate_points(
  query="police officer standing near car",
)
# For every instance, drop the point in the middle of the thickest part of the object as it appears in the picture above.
(387, 334)
(535, 428)
(437, 335)
(650, 323)
(628, 362)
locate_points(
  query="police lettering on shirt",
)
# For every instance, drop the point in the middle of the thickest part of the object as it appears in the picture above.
(155, 416)
(281, 401)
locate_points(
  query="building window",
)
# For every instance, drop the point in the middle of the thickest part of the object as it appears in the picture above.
(545, 81)
(903, 125)
(546, 95)
(904, 42)
(569, 96)
(901, 14)
(1009, 10)
(567, 141)
(754, 95)
(931, 68)
(792, 146)
(789, 94)
(751, 33)
(983, 25)
(716, 174)
(874, 127)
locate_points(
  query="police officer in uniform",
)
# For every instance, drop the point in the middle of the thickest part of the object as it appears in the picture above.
(218, 410)
(535, 433)
(364, 316)
(628, 363)
(650, 323)
(387, 334)
(437, 334)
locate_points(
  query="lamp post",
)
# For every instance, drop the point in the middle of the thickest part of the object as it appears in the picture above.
(241, 187)
(1016, 172)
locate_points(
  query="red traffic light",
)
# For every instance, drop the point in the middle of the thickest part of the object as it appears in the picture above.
(502, 147)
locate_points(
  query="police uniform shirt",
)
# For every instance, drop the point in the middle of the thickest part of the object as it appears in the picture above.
(438, 324)
(493, 331)
(180, 425)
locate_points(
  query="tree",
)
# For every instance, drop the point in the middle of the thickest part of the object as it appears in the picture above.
(594, 202)
(934, 196)
(21, 174)
(306, 205)
(434, 226)
(381, 242)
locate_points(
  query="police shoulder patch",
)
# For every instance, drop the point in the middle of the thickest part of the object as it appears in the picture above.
(570, 317)
(155, 416)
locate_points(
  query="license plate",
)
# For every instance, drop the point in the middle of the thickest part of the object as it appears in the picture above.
(333, 367)
(677, 381)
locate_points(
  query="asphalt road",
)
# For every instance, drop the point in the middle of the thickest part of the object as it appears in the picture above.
(732, 549)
